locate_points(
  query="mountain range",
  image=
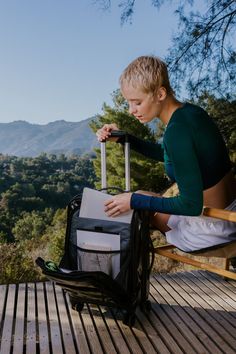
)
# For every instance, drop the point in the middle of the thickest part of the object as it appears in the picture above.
(24, 139)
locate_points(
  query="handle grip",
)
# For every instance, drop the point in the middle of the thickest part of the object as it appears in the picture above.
(118, 133)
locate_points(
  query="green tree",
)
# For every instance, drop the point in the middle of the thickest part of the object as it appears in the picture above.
(32, 225)
(7, 221)
(146, 173)
(17, 264)
(33, 184)
(223, 112)
(3, 237)
(203, 50)
(55, 235)
(21, 196)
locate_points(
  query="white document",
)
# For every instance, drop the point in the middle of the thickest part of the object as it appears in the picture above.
(92, 206)
(91, 261)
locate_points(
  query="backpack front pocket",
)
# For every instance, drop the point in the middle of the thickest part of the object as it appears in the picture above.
(98, 251)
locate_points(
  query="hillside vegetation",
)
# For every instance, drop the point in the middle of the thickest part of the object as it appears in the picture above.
(34, 193)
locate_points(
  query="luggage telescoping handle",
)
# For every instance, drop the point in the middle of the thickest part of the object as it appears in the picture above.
(116, 133)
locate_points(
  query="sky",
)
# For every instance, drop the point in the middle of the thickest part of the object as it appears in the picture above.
(61, 59)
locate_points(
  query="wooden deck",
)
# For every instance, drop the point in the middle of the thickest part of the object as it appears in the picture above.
(192, 312)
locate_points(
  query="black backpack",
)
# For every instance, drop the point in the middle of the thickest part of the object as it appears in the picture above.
(129, 288)
(116, 277)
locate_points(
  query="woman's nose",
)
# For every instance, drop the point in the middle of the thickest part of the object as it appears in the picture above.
(132, 109)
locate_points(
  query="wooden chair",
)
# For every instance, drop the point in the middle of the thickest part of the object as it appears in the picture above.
(225, 251)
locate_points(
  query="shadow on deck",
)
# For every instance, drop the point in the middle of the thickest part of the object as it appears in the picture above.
(192, 312)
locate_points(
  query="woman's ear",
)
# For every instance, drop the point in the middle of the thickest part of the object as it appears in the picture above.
(161, 93)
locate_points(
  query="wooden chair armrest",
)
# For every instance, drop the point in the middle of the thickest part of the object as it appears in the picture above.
(220, 214)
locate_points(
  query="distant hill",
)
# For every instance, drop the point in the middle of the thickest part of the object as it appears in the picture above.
(21, 138)
(24, 139)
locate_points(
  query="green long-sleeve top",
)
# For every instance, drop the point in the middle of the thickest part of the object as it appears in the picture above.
(195, 156)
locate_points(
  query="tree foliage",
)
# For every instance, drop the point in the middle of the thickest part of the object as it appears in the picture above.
(34, 193)
(32, 225)
(17, 264)
(203, 50)
(55, 235)
(36, 184)
(223, 112)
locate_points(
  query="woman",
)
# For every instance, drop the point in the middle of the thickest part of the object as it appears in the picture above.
(194, 154)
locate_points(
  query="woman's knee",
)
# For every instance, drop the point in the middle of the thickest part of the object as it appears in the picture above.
(160, 221)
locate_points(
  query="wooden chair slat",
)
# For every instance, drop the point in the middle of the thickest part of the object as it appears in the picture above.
(220, 214)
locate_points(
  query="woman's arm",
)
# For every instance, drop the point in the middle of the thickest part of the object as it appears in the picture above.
(188, 178)
(151, 150)
(146, 148)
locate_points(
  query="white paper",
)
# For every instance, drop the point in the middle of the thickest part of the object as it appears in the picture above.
(92, 206)
(108, 263)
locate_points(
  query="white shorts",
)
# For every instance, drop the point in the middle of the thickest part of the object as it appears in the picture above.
(190, 233)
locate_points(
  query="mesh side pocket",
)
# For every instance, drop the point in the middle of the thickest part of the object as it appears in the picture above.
(91, 259)
(98, 251)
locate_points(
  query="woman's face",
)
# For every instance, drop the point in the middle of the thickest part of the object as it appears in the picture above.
(142, 105)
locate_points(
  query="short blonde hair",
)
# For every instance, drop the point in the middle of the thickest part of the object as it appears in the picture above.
(148, 73)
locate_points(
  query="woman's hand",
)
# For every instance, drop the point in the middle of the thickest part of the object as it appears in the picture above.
(119, 204)
(105, 132)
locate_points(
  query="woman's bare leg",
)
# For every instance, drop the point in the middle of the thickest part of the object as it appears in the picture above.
(159, 221)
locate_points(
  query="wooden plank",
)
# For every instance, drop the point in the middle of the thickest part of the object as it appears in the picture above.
(145, 325)
(229, 284)
(91, 332)
(217, 332)
(18, 343)
(67, 330)
(181, 319)
(233, 283)
(101, 329)
(192, 312)
(188, 314)
(114, 331)
(3, 294)
(162, 328)
(6, 339)
(128, 334)
(43, 328)
(213, 301)
(209, 302)
(142, 338)
(221, 299)
(55, 332)
(31, 320)
(80, 335)
(221, 287)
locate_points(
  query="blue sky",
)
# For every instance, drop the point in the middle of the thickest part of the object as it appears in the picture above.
(61, 59)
